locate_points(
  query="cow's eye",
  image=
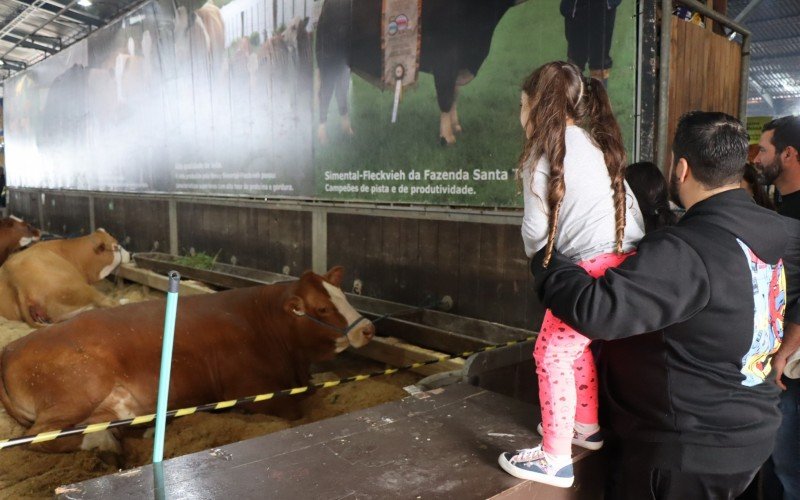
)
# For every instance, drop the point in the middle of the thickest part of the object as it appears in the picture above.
(322, 310)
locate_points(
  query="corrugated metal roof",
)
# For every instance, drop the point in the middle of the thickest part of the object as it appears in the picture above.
(774, 55)
(30, 30)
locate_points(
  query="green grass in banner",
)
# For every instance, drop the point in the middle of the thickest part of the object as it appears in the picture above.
(527, 36)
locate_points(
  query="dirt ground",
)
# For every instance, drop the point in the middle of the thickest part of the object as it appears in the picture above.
(27, 474)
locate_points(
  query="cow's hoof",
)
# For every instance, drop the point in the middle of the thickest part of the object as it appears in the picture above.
(445, 142)
(457, 129)
(110, 458)
(322, 135)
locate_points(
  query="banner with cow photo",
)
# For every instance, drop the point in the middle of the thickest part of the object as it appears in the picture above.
(211, 98)
(456, 136)
(410, 101)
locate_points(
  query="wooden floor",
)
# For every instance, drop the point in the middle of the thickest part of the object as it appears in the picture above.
(439, 444)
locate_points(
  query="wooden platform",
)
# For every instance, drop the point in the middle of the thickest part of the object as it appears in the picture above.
(439, 444)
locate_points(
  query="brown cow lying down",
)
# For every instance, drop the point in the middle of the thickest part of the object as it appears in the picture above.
(104, 364)
(15, 234)
(51, 281)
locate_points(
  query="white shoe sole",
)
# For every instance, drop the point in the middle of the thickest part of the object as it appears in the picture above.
(589, 445)
(559, 482)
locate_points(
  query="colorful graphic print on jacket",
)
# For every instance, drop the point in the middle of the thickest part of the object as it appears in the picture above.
(769, 299)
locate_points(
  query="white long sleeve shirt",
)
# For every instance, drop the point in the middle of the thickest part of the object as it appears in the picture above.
(586, 222)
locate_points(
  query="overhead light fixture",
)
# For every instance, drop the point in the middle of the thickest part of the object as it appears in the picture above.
(2, 62)
(85, 3)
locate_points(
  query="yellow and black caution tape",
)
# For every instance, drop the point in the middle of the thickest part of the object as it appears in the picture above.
(146, 419)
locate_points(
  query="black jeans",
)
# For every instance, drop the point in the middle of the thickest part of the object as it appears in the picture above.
(638, 480)
(589, 28)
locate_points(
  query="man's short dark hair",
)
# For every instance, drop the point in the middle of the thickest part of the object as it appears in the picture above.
(714, 145)
(786, 133)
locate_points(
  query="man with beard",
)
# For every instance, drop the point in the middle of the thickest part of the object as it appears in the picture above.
(778, 160)
(779, 164)
(691, 401)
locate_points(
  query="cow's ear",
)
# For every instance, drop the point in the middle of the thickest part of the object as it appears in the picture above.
(100, 248)
(335, 276)
(294, 305)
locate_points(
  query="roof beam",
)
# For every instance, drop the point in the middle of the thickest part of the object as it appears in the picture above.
(69, 14)
(12, 65)
(28, 44)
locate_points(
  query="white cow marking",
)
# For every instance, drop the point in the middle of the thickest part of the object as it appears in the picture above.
(14, 218)
(356, 335)
(121, 256)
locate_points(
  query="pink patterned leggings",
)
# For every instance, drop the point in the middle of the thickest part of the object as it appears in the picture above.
(567, 375)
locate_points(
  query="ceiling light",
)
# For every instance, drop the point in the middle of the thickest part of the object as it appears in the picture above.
(85, 3)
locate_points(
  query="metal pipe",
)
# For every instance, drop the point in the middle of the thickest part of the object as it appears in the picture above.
(663, 84)
(744, 77)
(716, 16)
(747, 10)
(166, 365)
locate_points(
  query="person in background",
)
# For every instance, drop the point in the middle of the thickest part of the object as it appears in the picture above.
(692, 401)
(753, 183)
(778, 161)
(652, 193)
(589, 28)
(572, 172)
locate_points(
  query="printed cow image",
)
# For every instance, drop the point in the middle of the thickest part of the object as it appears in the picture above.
(456, 36)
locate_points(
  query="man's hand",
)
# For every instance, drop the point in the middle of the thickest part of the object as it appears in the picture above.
(791, 342)
(778, 364)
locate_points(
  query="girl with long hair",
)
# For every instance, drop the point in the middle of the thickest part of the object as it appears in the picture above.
(572, 173)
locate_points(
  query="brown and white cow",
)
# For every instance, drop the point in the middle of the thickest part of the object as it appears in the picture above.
(15, 234)
(51, 281)
(104, 364)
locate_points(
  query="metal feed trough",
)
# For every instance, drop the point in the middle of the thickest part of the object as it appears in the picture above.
(436, 330)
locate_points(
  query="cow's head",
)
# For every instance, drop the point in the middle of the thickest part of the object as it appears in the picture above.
(21, 233)
(326, 319)
(109, 252)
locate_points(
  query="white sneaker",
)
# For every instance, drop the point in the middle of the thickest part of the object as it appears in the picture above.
(589, 441)
(534, 465)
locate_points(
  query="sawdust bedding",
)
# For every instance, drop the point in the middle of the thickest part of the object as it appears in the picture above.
(27, 474)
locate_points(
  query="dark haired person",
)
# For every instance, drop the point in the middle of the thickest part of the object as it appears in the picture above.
(692, 402)
(652, 192)
(753, 183)
(778, 160)
(779, 163)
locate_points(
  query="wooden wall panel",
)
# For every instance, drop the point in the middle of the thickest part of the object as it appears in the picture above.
(141, 225)
(66, 215)
(481, 266)
(704, 75)
(273, 240)
(25, 205)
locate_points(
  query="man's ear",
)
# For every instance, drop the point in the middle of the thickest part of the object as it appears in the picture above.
(790, 152)
(682, 170)
(294, 305)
